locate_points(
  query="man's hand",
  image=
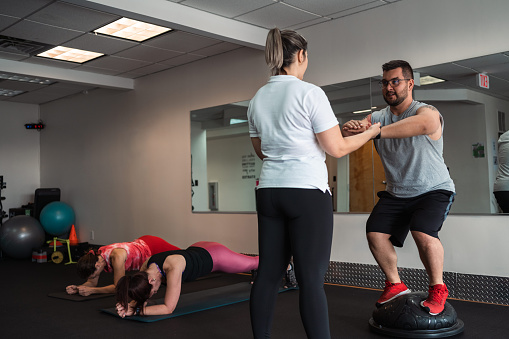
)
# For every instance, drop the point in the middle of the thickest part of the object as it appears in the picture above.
(353, 127)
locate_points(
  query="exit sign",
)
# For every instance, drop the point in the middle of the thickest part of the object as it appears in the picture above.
(483, 80)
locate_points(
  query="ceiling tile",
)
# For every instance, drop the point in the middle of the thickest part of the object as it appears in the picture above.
(183, 59)
(116, 63)
(64, 15)
(479, 64)
(150, 69)
(148, 53)
(276, 15)
(100, 43)
(6, 21)
(327, 7)
(357, 9)
(34, 31)
(445, 71)
(181, 41)
(308, 23)
(219, 48)
(21, 9)
(227, 8)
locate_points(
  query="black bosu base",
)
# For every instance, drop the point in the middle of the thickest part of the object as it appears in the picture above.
(404, 317)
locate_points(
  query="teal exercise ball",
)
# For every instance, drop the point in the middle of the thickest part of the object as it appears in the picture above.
(57, 218)
(20, 235)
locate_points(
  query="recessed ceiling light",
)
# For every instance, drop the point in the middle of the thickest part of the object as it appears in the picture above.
(428, 80)
(24, 78)
(9, 92)
(69, 54)
(132, 29)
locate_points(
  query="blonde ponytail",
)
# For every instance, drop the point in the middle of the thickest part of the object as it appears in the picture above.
(274, 51)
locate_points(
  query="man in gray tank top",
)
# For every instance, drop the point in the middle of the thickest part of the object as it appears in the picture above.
(419, 190)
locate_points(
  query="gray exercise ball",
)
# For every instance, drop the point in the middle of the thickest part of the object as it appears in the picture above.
(20, 235)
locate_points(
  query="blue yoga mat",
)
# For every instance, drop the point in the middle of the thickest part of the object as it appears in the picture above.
(200, 301)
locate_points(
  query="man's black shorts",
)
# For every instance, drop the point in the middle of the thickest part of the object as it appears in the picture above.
(396, 216)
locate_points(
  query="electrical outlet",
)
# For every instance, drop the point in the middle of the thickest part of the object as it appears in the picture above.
(92, 235)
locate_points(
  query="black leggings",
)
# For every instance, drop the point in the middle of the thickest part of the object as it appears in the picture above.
(502, 200)
(294, 222)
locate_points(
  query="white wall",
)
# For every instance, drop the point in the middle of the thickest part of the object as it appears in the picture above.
(122, 158)
(472, 244)
(19, 153)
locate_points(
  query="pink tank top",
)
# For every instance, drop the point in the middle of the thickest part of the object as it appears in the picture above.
(137, 252)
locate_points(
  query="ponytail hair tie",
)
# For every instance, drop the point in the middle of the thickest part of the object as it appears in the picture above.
(91, 252)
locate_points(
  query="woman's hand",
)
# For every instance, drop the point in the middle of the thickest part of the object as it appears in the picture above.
(85, 290)
(123, 312)
(375, 129)
(71, 289)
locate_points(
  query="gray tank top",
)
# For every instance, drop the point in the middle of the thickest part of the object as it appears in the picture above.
(415, 165)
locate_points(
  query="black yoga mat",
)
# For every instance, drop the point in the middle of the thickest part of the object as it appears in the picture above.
(77, 297)
(200, 301)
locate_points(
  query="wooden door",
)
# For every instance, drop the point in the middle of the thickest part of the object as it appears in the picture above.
(366, 178)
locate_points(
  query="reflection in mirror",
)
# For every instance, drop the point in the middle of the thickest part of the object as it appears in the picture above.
(474, 118)
(223, 158)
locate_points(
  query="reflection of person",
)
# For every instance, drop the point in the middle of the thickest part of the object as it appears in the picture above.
(291, 123)
(501, 185)
(172, 268)
(119, 258)
(419, 190)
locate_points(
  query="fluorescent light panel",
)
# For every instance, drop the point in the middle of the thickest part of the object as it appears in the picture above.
(237, 121)
(132, 29)
(365, 110)
(26, 79)
(9, 92)
(69, 54)
(428, 80)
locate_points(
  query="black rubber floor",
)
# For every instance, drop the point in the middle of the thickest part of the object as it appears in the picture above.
(26, 311)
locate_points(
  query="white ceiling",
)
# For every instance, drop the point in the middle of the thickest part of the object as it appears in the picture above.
(202, 28)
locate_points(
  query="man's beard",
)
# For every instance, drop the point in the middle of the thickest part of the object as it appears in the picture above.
(397, 99)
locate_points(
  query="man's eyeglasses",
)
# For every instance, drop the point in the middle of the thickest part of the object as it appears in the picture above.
(393, 82)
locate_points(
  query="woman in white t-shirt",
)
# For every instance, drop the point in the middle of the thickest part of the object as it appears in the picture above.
(292, 125)
(501, 186)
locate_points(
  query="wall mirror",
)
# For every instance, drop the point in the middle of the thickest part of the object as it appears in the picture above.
(225, 169)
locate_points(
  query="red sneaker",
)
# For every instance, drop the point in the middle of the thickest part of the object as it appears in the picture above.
(437, 295)
(391, 292)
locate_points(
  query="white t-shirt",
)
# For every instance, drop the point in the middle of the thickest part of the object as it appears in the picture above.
(502, 179)
(286, 114)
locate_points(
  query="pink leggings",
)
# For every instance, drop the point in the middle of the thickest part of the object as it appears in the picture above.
(225, 260)
(157, 245)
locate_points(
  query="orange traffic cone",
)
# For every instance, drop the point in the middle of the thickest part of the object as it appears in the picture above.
(73, 239)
